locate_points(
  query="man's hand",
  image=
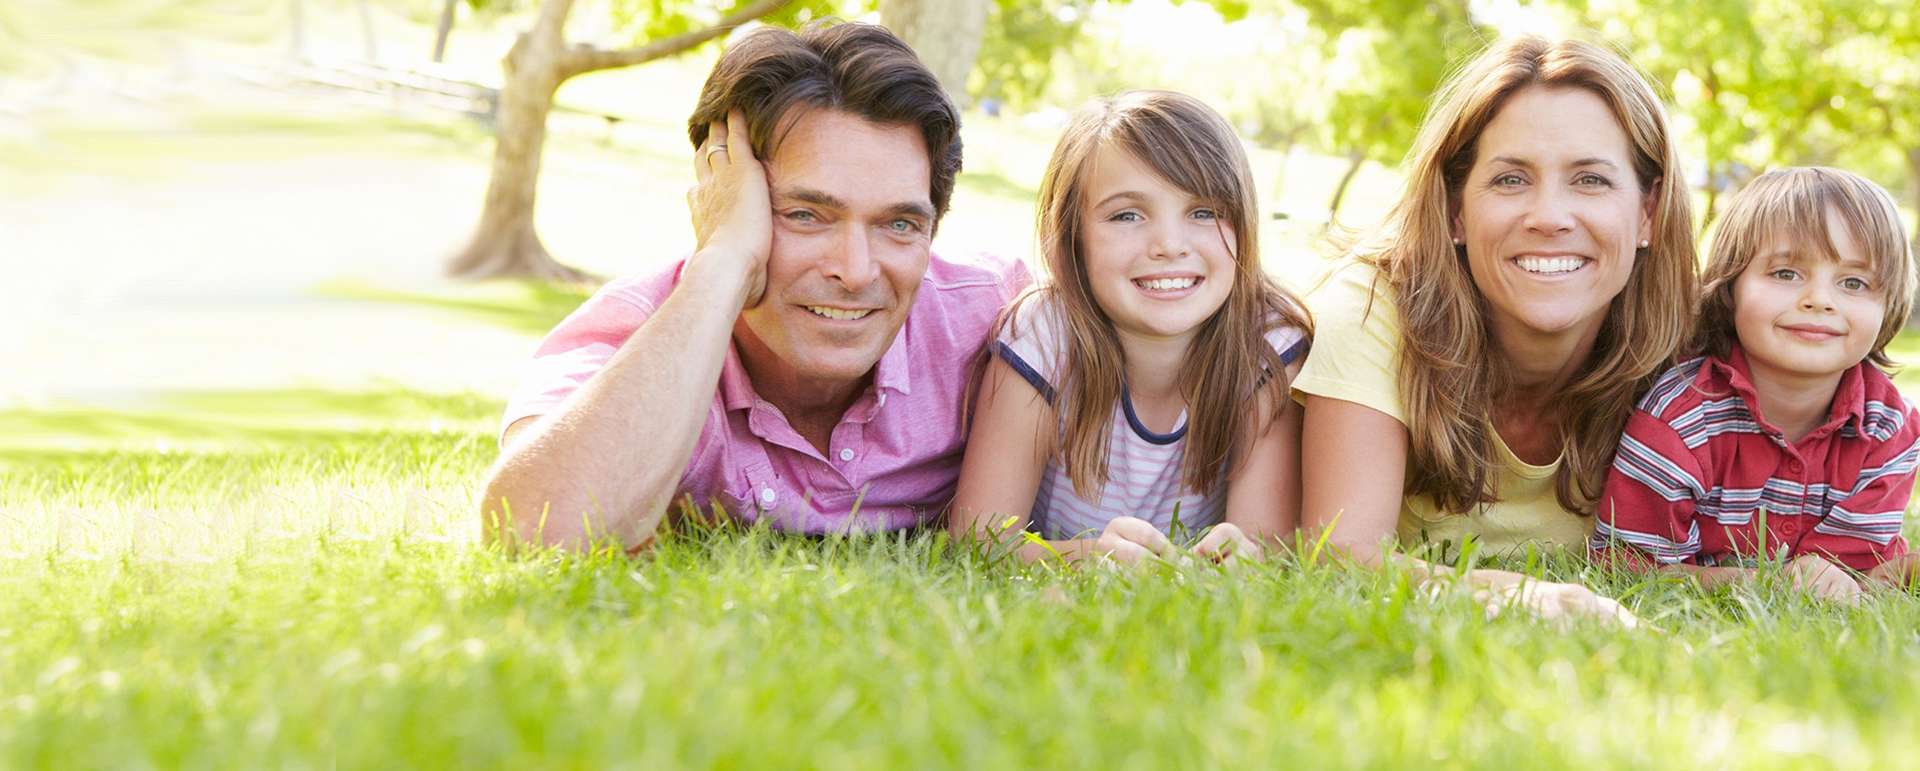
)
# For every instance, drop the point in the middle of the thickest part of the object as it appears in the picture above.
(1128, 540)
(731, 206)
(1555, 602)
(1227, 544)
(1825, 579)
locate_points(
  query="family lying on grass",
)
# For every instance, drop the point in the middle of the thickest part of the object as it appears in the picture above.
(1520, 354)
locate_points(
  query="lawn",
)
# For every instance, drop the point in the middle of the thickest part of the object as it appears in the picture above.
(237, 529)
(259, 592)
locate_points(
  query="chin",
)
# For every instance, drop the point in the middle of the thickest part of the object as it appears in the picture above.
(837, 364)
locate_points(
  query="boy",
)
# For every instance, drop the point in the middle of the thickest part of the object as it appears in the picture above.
(1784, 439)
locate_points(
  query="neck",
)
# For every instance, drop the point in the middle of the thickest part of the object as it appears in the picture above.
(1153, 365)
(1153, 379)
(1539, 366)
(1796, 404)
(1527, 414)
(812, 406)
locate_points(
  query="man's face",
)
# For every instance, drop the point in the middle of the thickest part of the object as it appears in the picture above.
(852, 231)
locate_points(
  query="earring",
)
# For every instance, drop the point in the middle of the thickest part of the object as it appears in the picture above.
(1458, 242)
(1643, 244)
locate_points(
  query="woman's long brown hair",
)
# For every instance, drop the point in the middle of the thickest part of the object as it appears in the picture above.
(1451, 371)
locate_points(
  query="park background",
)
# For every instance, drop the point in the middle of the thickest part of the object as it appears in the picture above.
(243, 409)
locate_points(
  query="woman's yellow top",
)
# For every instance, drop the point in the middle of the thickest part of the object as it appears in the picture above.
(1356, 358)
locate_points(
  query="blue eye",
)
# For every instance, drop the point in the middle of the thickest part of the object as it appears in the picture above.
(1125, 216)
(1204, 214)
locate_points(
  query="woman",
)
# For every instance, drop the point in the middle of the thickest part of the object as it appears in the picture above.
(1479, 351)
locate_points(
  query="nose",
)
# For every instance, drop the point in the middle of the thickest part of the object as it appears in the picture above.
(1170, 239)
(1551, 212)
(1817, 296)
(852, 265)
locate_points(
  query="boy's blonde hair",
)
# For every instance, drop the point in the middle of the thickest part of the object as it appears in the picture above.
(1792, 204)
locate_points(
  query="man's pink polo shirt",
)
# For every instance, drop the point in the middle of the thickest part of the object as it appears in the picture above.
(893, 460)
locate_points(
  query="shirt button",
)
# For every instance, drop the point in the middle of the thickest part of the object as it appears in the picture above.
(846, 454)
(1794, 466)
(768, 496)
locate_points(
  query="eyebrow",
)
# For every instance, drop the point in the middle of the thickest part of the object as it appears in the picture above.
(1799, 253)
(921, 209)
(1128, 194)
(1512, 161)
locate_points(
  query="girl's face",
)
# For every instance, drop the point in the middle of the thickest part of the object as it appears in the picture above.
(1159, 259)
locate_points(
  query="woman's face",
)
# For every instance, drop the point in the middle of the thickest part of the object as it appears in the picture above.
(1551, 214)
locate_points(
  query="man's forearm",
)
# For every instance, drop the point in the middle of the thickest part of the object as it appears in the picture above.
(607, 461)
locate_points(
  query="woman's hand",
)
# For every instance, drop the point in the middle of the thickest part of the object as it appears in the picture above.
(1825, 579)
(1128, 540)
(1554, 602)
(731, 206)
(1227, 544)
(1900, 572)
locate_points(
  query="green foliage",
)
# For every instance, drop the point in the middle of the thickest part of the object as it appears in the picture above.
(655, 19)
(1017, 55)
(1386, 58)
(1017, 48)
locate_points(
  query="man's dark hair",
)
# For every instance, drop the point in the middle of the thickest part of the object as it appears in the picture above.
(858, 69)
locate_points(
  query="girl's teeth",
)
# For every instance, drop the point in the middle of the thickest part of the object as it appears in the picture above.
(838, 314)
(1551, 264)
(1167, 283)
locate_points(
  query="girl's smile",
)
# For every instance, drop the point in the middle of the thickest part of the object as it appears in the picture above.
(1160, 260)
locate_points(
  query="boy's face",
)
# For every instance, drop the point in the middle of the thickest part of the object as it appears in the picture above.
(1804, 318)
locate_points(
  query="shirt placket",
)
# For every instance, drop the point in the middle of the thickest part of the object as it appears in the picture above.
(1791, 528)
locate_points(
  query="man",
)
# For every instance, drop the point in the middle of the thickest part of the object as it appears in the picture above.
(807, 363)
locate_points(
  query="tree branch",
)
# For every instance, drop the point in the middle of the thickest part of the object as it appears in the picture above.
(583, 59)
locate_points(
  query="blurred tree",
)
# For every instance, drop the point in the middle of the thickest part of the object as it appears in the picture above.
(1386, 58)
(1018, 45)
(1022, 37)
(1879, 65)
(1277, 96)
(505, 244)
(944, 33)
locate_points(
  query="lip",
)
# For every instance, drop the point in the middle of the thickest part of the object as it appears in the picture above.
(1817, 333)
(1139, 283)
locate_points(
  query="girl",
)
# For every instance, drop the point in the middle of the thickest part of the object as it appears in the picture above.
(1145, 380)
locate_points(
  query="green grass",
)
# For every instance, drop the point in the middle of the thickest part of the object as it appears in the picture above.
(253, 596)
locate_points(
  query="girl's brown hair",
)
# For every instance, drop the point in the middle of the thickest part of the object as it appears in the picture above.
(1451, 370)
(1229, 360)
(1788, 207)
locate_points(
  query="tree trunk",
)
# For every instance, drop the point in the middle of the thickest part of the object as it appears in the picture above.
(1711, 211)
(366, 31)
(297, 46)
(1913, 193)
(1354, 159)
(945, 33)
(505, 244)
(444, 29)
